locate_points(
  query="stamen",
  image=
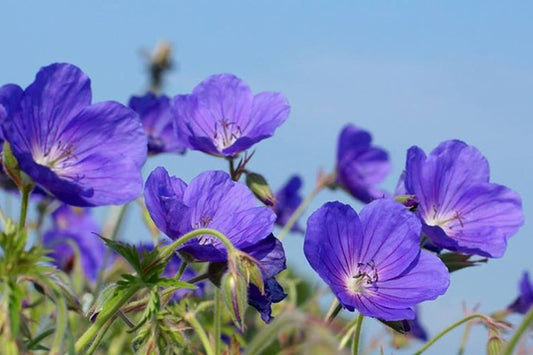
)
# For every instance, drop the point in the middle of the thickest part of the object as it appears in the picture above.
(365, 278)
(226, 133)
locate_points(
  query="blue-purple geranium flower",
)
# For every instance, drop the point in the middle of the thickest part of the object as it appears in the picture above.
(360, 165)
(211, 200)
(372, 261)
(75, 226)
(460, 209)
(287, 200)
(158, 122)
(84, 154)
(222, 117)
(524, 301)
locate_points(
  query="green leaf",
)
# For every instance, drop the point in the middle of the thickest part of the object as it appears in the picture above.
(168, 282)
(457, 261)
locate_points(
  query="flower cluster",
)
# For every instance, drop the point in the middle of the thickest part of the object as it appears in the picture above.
(382, 261)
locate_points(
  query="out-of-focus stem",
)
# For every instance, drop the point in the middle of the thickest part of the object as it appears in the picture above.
(528, 319)
(357, 334)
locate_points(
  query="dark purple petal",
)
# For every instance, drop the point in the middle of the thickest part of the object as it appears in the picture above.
(427, 279)
(263, 303)
(392, 237)
(158, 123)
(361, 166)
(78, 227)
(163, 196)
(287, 201)
(524, 301)
(415, 328)
(269, 252)
(333, 242)
(10, 96)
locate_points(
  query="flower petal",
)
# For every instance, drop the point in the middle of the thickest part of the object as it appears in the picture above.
(427, 279)
(391, 237)
(333, 242)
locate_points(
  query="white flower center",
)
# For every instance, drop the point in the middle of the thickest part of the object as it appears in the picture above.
(225, 133)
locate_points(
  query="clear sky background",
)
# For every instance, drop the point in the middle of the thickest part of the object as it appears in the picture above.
(411, 72)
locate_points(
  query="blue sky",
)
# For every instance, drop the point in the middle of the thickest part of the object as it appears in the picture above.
(411, 72)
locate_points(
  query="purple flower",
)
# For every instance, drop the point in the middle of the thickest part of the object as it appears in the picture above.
(211, 200)
(84, 154)
(287, 201)
(524, 301)
(75, 226)
(460, 209)
(372, 262)
(360, 166)
(222, 117)
(157, 120)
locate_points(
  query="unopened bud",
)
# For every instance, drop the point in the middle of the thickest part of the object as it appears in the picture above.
(251, 271)
(495, 344)
(409, 201)
(11, 166)
(235, 294)
(259, 186)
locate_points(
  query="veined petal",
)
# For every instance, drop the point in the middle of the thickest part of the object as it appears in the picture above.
(483, 218)
(391, 237)
(333, 242)
(224, 96)
(58, 93)
(442, 177)
(427, 279)
(81, 155)
(163, 197)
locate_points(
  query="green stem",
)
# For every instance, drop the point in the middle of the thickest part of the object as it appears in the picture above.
(118, 219)
(301, 208)
(99, 337)
(193, 234)
(466, 335)
(181, 270)
(333, 310)
(201, 333)
(26, 191)
(448, 329)
(528, 319)
(218, 320)
(357, 334)
(112, 307)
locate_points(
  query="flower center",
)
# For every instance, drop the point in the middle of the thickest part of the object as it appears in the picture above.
(56, 157)
(445, 220)
(205, 238)
(364, 279)
(226, 133)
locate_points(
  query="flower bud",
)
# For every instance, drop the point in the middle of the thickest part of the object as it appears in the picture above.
(495, 344)
(235, 294)
(251, 271)
(11, 166)
(409, 201)
(259, 186)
